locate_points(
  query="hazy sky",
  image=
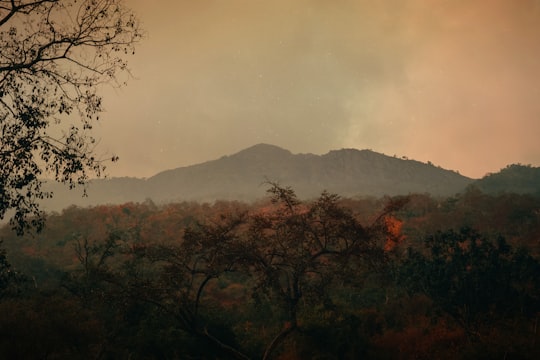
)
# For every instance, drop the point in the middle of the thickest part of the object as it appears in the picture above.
(454, 82)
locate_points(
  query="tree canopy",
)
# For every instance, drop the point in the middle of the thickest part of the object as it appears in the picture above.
(331, 278)
(54, 55)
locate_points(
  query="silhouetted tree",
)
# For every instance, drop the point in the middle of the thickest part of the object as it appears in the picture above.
(288, 256)
(53, 56)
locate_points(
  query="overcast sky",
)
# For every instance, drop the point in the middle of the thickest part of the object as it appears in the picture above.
(454, 82)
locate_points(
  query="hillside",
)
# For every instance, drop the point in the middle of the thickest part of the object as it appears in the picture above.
(516, 178)
(348, 172)
(242, 176)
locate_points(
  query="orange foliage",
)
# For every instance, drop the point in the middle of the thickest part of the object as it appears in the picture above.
(394, 236)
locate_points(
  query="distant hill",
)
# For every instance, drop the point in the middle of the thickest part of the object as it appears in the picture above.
(241, 176)
(348, 172)
(516, 178)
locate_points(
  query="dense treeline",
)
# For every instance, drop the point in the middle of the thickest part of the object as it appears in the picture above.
(402, 277)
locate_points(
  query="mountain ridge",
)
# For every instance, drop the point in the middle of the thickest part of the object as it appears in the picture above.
(514, 178)
(241, 176)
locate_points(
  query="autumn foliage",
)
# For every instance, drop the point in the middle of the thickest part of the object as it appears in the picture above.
(405, 277)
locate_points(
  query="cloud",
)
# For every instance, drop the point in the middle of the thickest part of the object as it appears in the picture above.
(453, 82)
(466, 99)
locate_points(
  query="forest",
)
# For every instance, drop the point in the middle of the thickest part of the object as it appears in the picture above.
(328, 277)
(401, 277)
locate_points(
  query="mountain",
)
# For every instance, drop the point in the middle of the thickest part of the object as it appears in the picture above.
(348, 172)
(242, 176)
(515, 178)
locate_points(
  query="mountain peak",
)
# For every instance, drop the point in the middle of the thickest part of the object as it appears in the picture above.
(262, 150)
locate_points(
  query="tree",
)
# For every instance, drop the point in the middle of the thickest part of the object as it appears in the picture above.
(9, 278)
(475, 280)
(289, 256)
(297, 251)
(54, 55)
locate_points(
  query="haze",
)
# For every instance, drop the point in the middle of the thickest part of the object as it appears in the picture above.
(451, 82)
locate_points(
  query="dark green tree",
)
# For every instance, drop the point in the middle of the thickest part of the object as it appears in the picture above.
(474, 279)
(9, 278)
